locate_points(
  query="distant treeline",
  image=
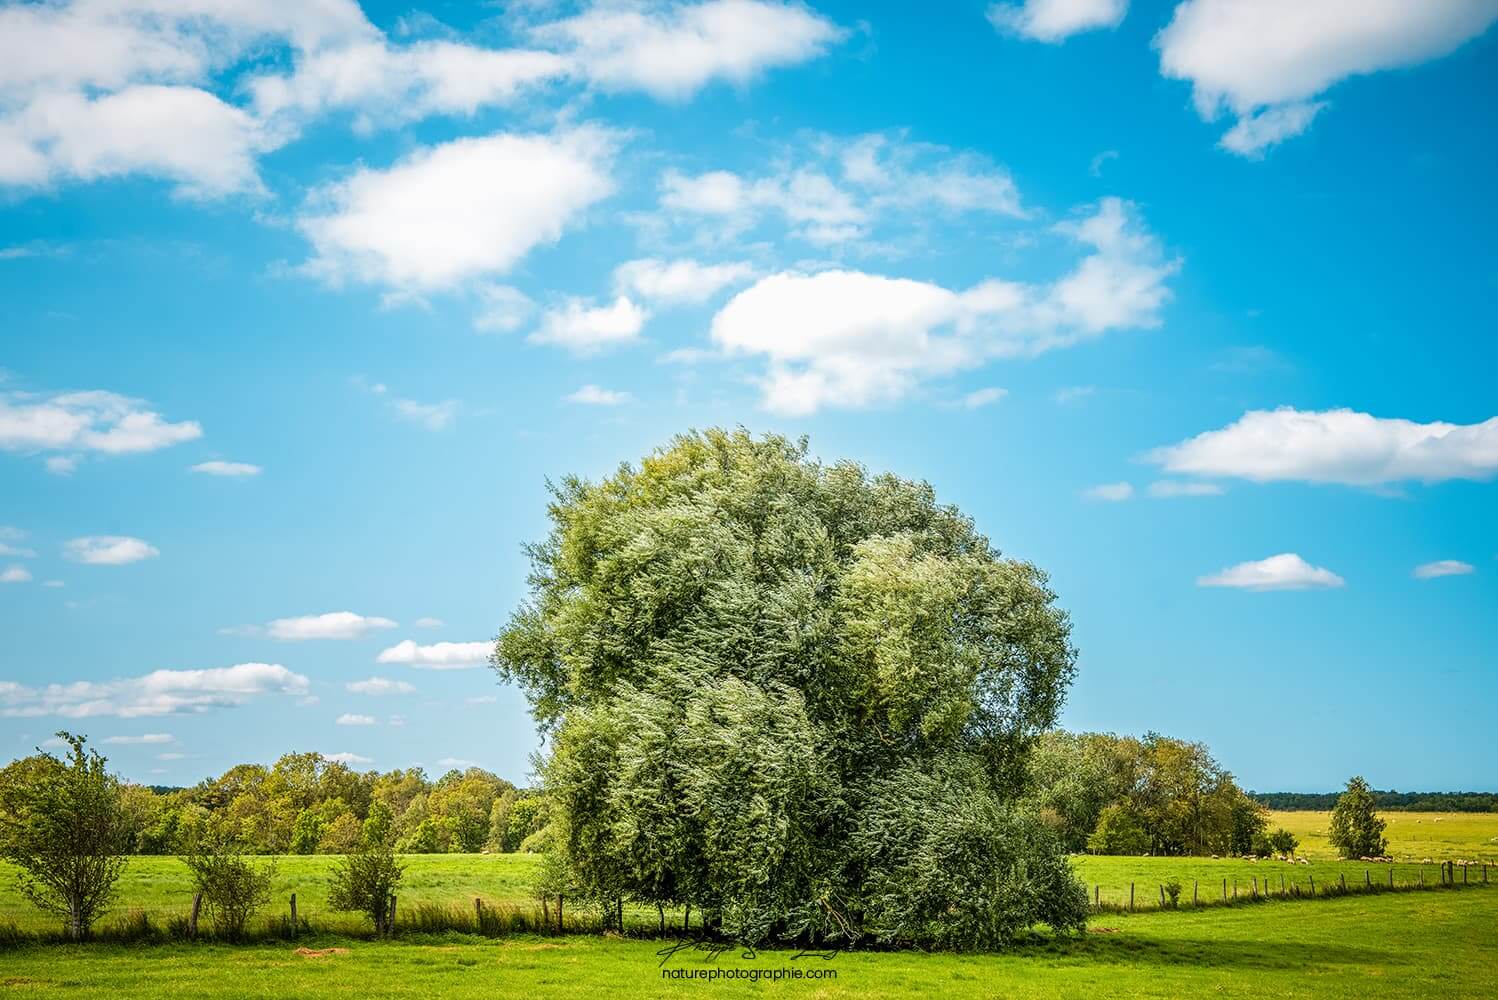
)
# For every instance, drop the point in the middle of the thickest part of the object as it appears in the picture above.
(1466, 802)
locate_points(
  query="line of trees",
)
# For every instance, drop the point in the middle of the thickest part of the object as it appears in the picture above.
(307, 804)
(1390, 801)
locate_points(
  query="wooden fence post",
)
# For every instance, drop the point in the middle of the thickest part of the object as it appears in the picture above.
(546, 911)
(1131, 897)
(390, 920)
(1162, 895)
(293, 916)
(1391, 875)
(1282, 883)
(478, 914)
(192, 921)
(1194, 885)
(1224, 890)
(1256, 887)
(1097, 892)
(1235, 887)
(1342, 880)
(1464, 874)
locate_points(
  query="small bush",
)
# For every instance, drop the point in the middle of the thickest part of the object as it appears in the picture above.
(365, 881)
(1173, 893)
(233, 888)
(1283, 841)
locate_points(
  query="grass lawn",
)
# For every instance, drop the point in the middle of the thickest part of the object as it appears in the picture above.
(1415, 945)
(160, 885)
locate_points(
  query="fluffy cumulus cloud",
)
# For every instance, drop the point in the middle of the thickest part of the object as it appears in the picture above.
(582, 328)
(438, 655)
(181, 91)
(1443, 567)
(230, 469)
(1266, 61)
(15, 574)
(1286, 571)
(94, 421)
(380, 686)
(162, 692)
(332, 625)
(1056, 20)
(108, 550)
(345, 757)
(850, 338)
(462, 210)
(1336, 446)
(833, 191)
(354, 719)
(671, 50)
(10, 538)
(677, 282)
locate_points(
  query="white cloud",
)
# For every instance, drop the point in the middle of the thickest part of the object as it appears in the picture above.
(353, 719)
(458, 762)
(482, 699)
(672, 50)
(1072, 393)
(15, 574)
(218, 468)
(429, 622)
(982, 397)
(1443, 567)
(62, 465)
(1109, 492)
(146, 739)
(592, 395)
(1286, 571)
(181, 134)
(108, 550)
(1265, 61)
(466, 209)
(1336, 446)
(396, 720)
(675, 282)
(1166, 488)
(432, 416)
(347, 758)
(852, 339)
(92, 421)
(437, 656)
(171, 756)
(380, 686)
(53, 583)
(1056, 20)
(583, 329)
(162, 692)
(333, 625)
(502, 309)
(839, 190)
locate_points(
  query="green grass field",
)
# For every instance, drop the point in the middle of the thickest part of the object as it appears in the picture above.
(1412, 836)
(1336, 948)
(160, 885)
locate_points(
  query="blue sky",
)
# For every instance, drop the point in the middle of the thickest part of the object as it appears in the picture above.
(1191, 304)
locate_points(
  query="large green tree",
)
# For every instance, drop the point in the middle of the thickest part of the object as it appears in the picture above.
(793, 696)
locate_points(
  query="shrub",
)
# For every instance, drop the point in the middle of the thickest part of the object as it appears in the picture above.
(1173, 893)
(1282, 841)
(233, 888)
(62, 824)
(365, 881)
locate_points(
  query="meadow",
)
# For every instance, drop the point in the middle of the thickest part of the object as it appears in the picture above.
(1334, 948)
(161, 887)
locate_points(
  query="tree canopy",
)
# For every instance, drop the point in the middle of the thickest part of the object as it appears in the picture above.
(794, 696)
(1357, 831)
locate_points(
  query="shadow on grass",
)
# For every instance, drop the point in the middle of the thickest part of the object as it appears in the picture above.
(1215, 951)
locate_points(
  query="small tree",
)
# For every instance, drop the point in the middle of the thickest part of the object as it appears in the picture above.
(233, 888)
(1357, 831)
(365, 881)
(62, 824)
(1118, 832)
(1283, 841)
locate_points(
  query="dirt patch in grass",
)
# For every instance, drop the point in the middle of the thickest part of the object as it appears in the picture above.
(321, 952)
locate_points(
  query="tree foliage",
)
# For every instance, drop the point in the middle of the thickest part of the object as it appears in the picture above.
(1156, 795)
(365, 881)
(1357, 831)
(745, 659)
(62, 823)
